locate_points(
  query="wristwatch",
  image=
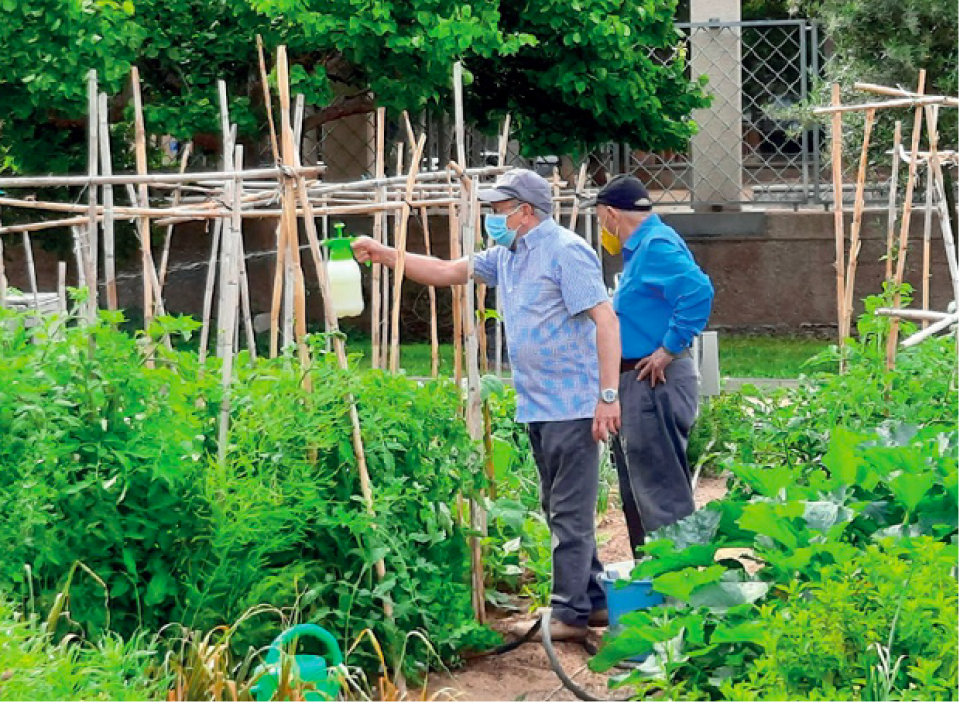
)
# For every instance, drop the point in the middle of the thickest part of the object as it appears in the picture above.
(609, 395)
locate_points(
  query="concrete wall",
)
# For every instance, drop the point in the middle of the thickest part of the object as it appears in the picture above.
(772, 271)
(775, 270)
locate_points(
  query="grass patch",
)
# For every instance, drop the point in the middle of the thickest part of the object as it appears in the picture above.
(741, 356)
(759, 356)
(37, 668)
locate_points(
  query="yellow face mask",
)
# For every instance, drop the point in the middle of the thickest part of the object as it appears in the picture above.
(610, 242)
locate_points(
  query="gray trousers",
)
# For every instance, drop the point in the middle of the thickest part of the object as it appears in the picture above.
(651, 449)
(569, 465)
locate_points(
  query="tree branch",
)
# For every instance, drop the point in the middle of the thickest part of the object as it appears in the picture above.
(343, 106)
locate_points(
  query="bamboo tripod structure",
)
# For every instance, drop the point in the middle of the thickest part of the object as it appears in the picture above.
(926, 109)
(292, 196)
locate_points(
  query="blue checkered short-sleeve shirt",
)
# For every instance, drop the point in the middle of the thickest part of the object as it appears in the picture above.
(547, 283)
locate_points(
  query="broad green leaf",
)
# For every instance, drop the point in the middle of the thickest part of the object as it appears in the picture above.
(774, 521)
(680, 584)
(697, 528)
(725, 594)
(910, 488)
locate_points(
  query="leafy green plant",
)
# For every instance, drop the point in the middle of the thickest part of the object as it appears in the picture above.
(834, 639)
(114, 464)
(821, 475)
(37, 667)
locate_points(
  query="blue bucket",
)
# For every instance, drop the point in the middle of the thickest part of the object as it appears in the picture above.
(635, 595)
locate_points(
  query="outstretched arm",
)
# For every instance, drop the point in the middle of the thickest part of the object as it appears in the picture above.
(428, 270)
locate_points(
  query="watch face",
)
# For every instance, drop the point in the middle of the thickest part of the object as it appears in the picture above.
(608, 396)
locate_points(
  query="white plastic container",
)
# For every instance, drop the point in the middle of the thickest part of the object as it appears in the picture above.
(343, 272)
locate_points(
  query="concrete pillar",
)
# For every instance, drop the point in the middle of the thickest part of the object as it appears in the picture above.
(716, 150)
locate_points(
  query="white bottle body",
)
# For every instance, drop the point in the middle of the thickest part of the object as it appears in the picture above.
(345, 287)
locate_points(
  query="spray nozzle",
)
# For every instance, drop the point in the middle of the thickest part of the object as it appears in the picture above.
(339, 244)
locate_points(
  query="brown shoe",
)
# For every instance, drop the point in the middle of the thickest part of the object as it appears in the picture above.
(559, 631)
(599, 618)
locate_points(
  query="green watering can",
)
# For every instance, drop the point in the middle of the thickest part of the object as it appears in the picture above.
(305, 668)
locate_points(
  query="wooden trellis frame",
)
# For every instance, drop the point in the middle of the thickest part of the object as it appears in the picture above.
(926, 111)
(293, 196)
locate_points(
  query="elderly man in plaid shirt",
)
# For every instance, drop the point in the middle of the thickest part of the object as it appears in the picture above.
(563, 339)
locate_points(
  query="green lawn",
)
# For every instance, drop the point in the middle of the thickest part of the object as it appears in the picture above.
(759, 356)
(740, 356)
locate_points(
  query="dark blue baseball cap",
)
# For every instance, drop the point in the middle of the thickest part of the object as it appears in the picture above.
(623, 193)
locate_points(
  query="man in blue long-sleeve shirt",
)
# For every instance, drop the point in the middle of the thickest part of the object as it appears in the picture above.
(663, 302)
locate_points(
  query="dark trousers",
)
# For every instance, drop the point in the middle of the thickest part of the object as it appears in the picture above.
(651, 450)
(569, 465)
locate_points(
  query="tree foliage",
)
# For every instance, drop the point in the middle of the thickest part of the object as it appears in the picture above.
(572, 73)
(889, 41)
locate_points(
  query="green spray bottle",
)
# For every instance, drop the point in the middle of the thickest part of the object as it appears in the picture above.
(344, 275)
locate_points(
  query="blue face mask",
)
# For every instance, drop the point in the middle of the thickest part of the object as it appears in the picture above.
(496, 228)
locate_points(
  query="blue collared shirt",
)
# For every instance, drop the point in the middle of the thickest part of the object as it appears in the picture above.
(548, 282)
(664, 298)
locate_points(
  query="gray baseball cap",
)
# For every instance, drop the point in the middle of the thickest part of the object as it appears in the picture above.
(520, 184)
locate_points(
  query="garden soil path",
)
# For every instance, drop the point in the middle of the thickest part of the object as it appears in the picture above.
(525, 674)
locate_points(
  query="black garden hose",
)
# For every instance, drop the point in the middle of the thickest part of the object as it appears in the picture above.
(543, 623)
(555, 662)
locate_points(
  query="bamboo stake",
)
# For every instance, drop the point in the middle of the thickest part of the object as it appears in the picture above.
(457, 291)
(459, 128)
(900, 92)
(268, 101)
(376, 292)
(106, 167)
(153, 179)
(299, 105)
(924, 315)
(140, 148)
(225, 327)
(208, 290)
(836, 163)
(904, 102)
(32, 270)
(401, 247)
(280, 271)
(504, 141)
(918, 337)
(905, 223)
(411, 137)
(289, 275)
(892, 201)
(470, 206)
(78, 257)
(242, 265)
(473, 409)
(39, 226)
(575, 210)
(857, 221)
(91, 241)
(389, 275)
(165, 256)
(213, 210)
(927, 227)
(289, 222)
(400, 181)
(62, 286)
(227, 317)
(432, 293)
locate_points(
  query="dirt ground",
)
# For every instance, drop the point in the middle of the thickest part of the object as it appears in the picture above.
(525, 674)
